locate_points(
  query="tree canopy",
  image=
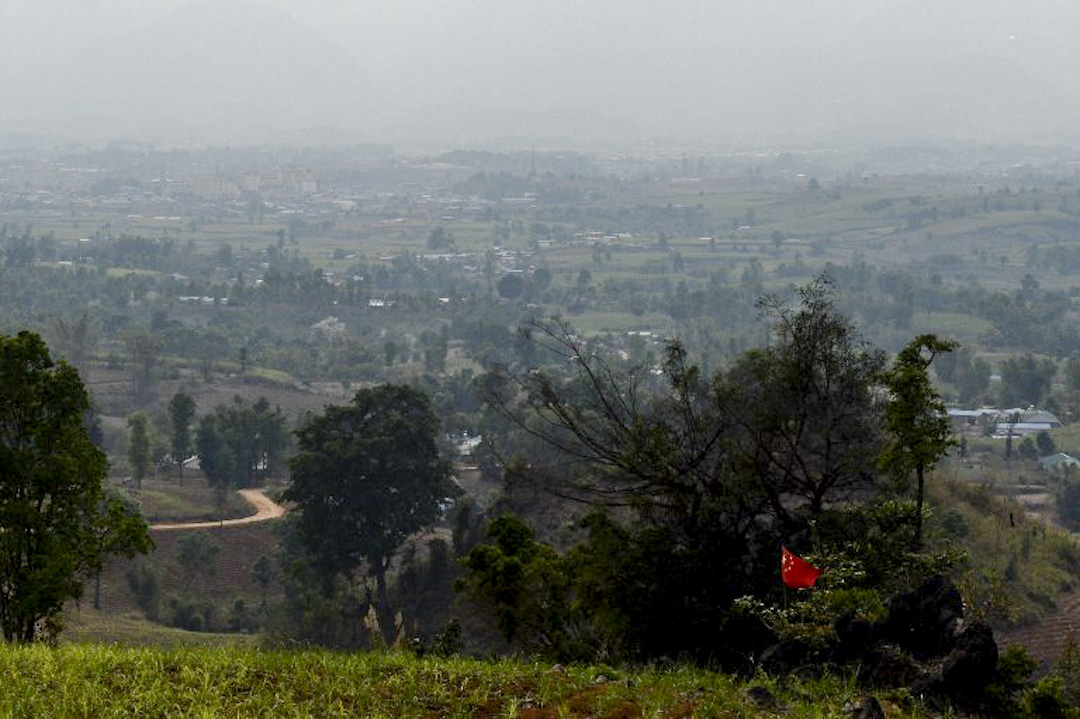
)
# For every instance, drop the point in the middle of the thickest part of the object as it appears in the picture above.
(57, 522)
(139, 446)
(783, 432)
(703, 477)
(241, 443)
(365, 477)
(181, 413)
(915, 417)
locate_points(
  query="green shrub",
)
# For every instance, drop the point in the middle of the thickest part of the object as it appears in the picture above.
(146, 586)
(1048, 700)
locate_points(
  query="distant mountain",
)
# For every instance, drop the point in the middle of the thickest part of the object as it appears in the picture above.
(221, 71)
(489, 72)
(892, 70)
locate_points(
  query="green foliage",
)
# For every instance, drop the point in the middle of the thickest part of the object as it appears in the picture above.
(110, 682)
(716, 474)
(447, 642)
(1027, 449)
(1072, 373)
(1067, 668)
(864, 552)
(1048, 699)
(216, 459)
(139, 446)
(367, 475)
(440, 239)
(145, 351)
(192, 614)
(1045, 443)
(527, 584)
(972, 376)
(1011, 694)
(642, 593)
(264, 574)
(915, 418)
(145, 584)
(198, 555)
(181, 414)
(1043, 562)
(1025, 380)
(241, 444)
(59, 524)
(806, 403)
(511, 286)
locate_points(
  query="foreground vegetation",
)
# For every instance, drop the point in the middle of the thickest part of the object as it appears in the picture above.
(98, 681)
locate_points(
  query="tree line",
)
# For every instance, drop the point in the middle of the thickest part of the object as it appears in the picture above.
(696, 481)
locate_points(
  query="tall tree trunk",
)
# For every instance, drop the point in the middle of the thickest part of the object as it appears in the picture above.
(382, 601)
(919, 471)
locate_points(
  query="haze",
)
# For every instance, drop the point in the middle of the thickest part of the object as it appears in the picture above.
(490, 73)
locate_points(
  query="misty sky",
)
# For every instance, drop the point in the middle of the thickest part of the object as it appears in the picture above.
(561, 72)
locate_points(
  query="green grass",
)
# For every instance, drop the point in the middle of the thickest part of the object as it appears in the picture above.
(1019, 568)
(167, 500)
(88, 625)
(271, 375)
(951, 324)
(85, 680)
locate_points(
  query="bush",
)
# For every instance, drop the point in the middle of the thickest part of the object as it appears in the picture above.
(146, 586)
(193, 615)
(1003, 694)
(447, 642)
(242, 619)
(1068, 501)
(1048, 700)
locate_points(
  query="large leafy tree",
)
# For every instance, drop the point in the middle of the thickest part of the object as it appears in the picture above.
(139, 446)
(215, 458)
(181, 414)
(526, 583)
(241, 443)
(786, 431)
(918, 426)
(809, 420)
(57, 523)
(366, 476)
(1025, 380)
(713, 473)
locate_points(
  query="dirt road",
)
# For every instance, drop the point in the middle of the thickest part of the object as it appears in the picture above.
(265, 510)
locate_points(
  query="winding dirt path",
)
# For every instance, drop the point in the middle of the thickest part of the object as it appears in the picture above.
(265, 510)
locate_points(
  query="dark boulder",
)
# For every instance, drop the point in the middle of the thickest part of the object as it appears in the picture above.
(866, 707)
(888, 666)
(970, 666)
(924, 621)
(745, 638)
(762, 698)
(785, 657)
(854, 638)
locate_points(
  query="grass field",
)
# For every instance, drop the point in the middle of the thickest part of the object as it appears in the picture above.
(85, 680)
(167, 500)
(86, 625)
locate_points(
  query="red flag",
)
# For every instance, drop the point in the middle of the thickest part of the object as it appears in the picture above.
(797, 573)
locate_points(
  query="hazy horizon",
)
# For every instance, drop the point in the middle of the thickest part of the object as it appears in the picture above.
(487, 74)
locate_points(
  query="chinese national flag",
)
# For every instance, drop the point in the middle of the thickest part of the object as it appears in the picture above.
(797, 573)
